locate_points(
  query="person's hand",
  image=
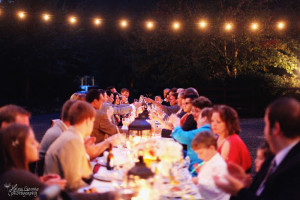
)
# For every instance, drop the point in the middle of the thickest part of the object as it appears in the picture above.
(137, 104)
(115, 139)
(153, 116)
(49, 176)
(195, 180)
(159, 112)
(174, 120)
(236, 171)
(235, 180)
(229, 184)
(54, 179)
(148, 100)
(89, 141)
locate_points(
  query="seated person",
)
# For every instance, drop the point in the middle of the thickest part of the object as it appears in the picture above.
(224, 122)
(18, 147)
(54, 132)
(205, 145)
(13, 113)
(67, 155)
(186, 137)
(262, 153)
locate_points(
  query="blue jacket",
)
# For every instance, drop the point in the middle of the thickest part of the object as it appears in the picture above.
(186, 137)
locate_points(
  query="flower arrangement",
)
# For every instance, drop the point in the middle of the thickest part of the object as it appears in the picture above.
(164, 150)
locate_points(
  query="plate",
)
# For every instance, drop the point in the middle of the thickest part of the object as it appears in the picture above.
(108, 175)
(100, 189)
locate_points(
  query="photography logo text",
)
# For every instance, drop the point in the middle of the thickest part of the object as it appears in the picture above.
(15, 190)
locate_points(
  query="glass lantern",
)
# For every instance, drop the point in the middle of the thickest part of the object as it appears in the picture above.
(140, 178)
(140, 127)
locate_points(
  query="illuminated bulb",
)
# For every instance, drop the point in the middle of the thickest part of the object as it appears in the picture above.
(176, 25)
(124, 23)
(202, 24)
(21, 15)
(254, 26)
(72, 20)
(228, 27)
(280, 25)
(97, 21)
(150, 25)
(46, 17)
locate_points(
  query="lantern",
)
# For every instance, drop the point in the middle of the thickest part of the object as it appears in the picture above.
(140, 127)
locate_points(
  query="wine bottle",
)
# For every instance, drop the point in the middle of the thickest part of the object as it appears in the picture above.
(110, 157)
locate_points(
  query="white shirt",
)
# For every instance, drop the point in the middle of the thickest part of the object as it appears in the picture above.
(282, 154)
(206, 184)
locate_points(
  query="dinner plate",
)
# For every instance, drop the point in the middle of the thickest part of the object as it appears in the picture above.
(108, 175)
(100, 189)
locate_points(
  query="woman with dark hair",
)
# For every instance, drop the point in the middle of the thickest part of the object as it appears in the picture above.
(225, 123)
(116, 99)
(18, 148)
(116, 118)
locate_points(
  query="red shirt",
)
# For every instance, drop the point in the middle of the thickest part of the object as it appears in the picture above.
(238, 152)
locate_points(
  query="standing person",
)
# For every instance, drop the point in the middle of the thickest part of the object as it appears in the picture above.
(279, 176)
(13, 113)
(18, 147)
(225, 123)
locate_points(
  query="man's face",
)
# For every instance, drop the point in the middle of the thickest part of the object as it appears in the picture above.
(188, 105)
(113, 90)
(89, 126)
(180, 101)
(22, 119)
(105, 97)
(268, 133)
(126, 94)
(165, 93)
(173, 100)
(196, 112)
(111, 98)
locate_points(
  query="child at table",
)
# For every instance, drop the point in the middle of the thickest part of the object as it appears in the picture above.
(262, 153)
(205, 146)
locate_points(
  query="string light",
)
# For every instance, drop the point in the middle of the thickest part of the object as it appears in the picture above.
(202, 24)
(21, 14)
(176, 25)
(97, 21)
(254, 26)
(72, 20)
(124, 23)
(150, 25)
(228, 26)
(46, 17)
(280, 25)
